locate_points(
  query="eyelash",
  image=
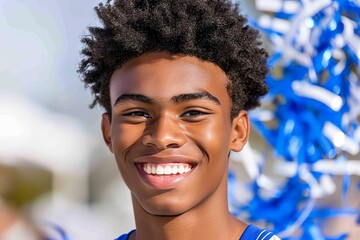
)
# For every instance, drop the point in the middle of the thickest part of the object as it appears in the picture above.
(193, 113)
(143, 114)
(137, 114)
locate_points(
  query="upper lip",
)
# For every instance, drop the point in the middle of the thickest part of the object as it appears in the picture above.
(165, 159)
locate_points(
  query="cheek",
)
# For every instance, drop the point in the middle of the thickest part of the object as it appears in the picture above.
(123, 137)
(213, 136)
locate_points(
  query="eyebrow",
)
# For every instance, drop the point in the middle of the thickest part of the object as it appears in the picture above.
(194, 96)
(176, 99)
(135, 98)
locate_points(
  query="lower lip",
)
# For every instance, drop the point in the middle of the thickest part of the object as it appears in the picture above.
(162, 181)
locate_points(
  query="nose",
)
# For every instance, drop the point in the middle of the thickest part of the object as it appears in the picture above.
(163, 133)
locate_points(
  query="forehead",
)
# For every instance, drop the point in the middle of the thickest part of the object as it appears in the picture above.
(162, 76)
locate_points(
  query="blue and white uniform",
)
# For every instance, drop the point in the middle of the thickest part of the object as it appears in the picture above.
(250, 233)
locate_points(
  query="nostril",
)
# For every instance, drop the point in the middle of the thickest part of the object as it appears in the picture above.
(173, 145)
(162, 140)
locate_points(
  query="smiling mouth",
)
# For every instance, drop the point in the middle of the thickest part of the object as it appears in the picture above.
(166, 169)
(166, 172)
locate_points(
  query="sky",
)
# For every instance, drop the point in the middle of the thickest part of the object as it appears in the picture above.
(40, 47)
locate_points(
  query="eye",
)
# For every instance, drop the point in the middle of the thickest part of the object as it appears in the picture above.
(137, 114)
(194, 113)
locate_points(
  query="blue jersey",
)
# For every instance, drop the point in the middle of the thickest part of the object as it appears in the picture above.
(250, 233)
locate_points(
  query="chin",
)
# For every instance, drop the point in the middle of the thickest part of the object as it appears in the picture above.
(165, 212)
(169, 208)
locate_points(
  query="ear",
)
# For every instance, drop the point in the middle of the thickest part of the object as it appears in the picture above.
(240, 131)
(106, 130)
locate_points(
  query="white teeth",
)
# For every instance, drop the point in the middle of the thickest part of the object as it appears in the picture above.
(181, 169)
(167, 170)
(156, 169)
(159, 170)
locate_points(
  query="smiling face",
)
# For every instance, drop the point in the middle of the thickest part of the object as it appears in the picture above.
(171, 132)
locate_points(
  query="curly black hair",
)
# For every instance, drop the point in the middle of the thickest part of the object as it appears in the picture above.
(211, 30)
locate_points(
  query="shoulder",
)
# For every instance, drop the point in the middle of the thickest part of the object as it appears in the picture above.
(254, 233)
(125, 236)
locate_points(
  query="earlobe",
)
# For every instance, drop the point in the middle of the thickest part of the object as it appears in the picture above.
(106, 130)
(241, 130)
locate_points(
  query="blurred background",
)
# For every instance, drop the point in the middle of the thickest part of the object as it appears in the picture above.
(54, 167)
(55, 170)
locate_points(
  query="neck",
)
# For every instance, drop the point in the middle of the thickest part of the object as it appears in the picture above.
(210, 220)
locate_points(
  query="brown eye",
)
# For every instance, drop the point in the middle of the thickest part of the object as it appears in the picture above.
(194, 113)
(137, 114)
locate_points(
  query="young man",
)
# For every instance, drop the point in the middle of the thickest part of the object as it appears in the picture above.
(176, 78)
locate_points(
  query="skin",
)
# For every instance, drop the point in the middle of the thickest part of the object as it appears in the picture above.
(173, 108)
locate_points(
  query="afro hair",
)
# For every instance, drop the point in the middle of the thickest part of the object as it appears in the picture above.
(211, 30)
